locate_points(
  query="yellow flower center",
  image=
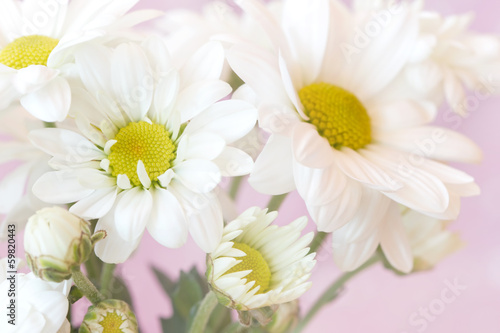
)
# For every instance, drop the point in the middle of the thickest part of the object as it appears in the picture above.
(337, 114)
(253, 260)
(111, 323)
(28, 50)
(150, 143)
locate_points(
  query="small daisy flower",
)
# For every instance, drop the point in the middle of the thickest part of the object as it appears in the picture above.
(154, 146)
(109, 316)
(350, 140)
(258, 264)
(37, 41)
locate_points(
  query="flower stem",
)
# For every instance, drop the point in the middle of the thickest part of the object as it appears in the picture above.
(202, 316)
(49, 124)
(317, 241)
(107, 277)
(235, 186)
(332, 292)
(86, 287)
(276, 201)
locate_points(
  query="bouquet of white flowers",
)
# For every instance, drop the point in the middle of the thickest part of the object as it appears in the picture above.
(118, 129)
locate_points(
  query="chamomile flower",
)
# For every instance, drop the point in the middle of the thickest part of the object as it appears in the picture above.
(258, 264)
(345, 136)
(37, 41)
(152, 148)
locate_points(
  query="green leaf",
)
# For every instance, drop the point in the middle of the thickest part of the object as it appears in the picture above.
(186, 295)
(167, 284)
(173, 324)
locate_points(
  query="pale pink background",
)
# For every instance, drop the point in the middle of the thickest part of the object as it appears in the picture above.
(376, 301)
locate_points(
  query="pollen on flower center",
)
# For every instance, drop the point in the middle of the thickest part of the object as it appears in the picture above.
(254, 261)
(149, 143)
(337, 114)
(28, 50)
(111, 323)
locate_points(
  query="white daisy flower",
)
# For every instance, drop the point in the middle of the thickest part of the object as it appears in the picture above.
(41, 307)
(17, 204)
(258, 264)
(37, 41)
(154, 146)
(352, 143)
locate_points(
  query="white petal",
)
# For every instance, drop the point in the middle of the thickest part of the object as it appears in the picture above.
(363, 170)
(12, 187)
(33, 78)
(205, 64)
(260, 71)
(306, 28)
(230, 119)
(167, 224)
(309, 148)
(198, 175)
(132, 212)
(123, 182)
(60, 187)
(50, 103)
(143, 174)
(65, 145)
(455, 92)
(433, 142)
(132, 80)
(204, 216)
(203, 145)
(199, 96)
(394, 241)
(113, 248)
(335, 214)
(291, 87)
(95, 205)
(319, 186)
(273, 169)
(234, 162)
(400, 114)
(368, 218)
(421, 191)
(52, 303)
(350, 256)
(93, 64)
(165, 95)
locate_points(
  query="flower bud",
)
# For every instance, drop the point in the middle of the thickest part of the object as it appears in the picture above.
(55, 242)
(109, 316)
